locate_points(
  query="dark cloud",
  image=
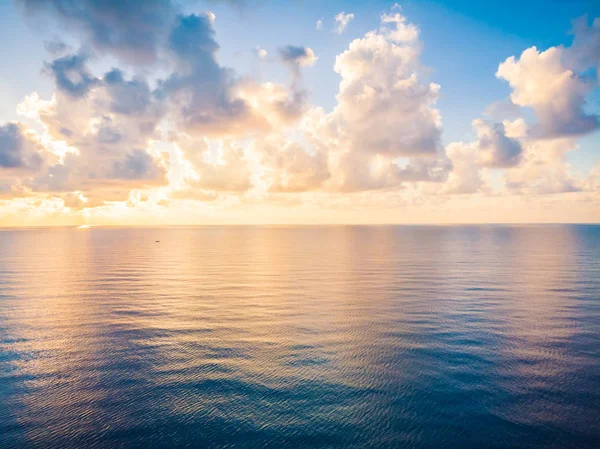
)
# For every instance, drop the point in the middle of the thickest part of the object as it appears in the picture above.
(17, 151)
(71, 75)
(291, 53)
(497, 149)
(193, 36)
(295, 57)
(11, 142)
(131, 97)
(59, 177)
(108, 135)
(137, 165)
(575, 122)
(566, 116)
(131, 30)
(66, 132)
(201, 89)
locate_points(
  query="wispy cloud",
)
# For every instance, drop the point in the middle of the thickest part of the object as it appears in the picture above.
(342, 20)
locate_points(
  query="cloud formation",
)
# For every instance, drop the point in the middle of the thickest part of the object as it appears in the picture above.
(496, 149)
(18, 151)
(541, 80)
(384, 112)
(71, 75)
(170, 123)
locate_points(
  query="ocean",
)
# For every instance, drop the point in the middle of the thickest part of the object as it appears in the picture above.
(300, 337)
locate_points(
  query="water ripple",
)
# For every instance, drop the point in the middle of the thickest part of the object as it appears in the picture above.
(341, 337)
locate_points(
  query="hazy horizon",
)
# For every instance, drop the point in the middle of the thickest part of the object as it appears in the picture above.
(84, 226)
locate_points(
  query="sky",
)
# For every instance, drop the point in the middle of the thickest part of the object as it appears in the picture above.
(189, 112)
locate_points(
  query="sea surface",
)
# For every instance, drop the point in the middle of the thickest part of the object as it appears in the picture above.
(300, 337)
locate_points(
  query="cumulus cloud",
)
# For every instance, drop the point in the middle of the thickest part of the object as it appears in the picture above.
(541, 80)
(401, 30)
(298, 56)
(381, 95)
(545, 169)
(465, 177)
(73, 200)
(216, 167)
(18, 151)
(201, 89)
(106, 134)
(210, 100)
(556, 84)
(496, 149)
(71, 74)
(128, 97)
(137, 164)
(385, 111)
(289, 167)
(319, 25)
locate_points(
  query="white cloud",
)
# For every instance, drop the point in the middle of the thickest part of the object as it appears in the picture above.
(289, 167)
(384, 112)
(465, 177)
(545, 169)
(342, 20)
(541, 80)
(104, 137)
(401, 31)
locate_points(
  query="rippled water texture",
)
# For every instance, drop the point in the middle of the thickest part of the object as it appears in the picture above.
(470, 337)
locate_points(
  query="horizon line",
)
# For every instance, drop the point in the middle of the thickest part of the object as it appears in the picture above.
(214, 225)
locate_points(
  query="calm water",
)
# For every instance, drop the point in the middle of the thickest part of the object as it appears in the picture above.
(347, 337)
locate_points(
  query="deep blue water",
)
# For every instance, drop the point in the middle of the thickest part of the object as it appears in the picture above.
(341, 337)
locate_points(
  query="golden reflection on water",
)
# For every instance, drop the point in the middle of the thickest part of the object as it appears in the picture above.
(113, 329)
